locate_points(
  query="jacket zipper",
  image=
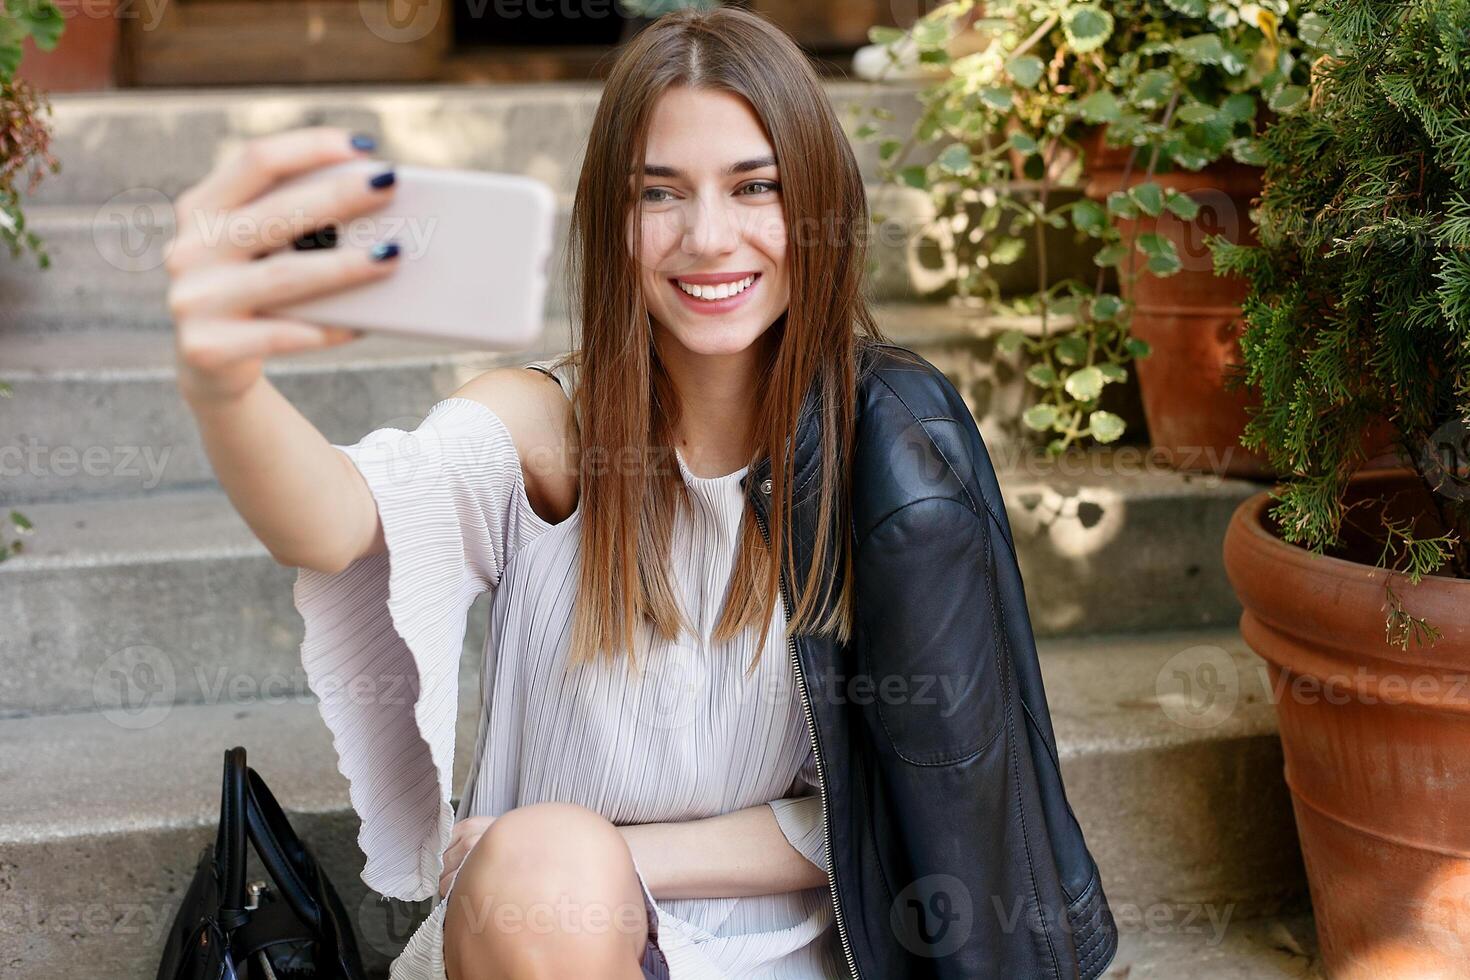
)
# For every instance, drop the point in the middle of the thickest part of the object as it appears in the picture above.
(811, 730)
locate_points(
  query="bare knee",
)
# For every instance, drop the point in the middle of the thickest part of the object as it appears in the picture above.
(549, 890)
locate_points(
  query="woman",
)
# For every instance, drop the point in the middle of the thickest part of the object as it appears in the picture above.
(646, 796)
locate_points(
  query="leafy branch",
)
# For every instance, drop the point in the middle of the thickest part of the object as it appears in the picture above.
(1182, 81)
(1358, 311)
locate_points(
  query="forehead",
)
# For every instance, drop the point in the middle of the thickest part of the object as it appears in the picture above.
(704, 129)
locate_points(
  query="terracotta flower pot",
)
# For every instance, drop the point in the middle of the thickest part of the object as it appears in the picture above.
(1191, 319)
(1376, 741)
(85, 58)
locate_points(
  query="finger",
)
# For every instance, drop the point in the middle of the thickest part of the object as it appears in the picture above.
(274, 281)
(262, 161)
(215, 344)
(279, 217)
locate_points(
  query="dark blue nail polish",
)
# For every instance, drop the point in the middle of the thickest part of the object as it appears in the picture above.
(362, 141)
(381, 180)
(383, 251)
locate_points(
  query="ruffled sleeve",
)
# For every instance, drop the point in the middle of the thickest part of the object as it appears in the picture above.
(800, 815)
(383, 636)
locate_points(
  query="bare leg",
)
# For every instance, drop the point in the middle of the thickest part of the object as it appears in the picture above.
(548, 892)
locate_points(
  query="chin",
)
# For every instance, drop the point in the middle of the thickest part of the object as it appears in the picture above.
(714, 339)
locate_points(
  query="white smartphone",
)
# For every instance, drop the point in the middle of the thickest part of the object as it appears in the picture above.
(474, 252)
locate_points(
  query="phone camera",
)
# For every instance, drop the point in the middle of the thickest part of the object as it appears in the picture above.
(325, 237)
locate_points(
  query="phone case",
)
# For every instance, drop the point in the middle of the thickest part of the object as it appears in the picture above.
(474, 251)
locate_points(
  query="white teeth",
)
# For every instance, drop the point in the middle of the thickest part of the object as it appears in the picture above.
(723, 291)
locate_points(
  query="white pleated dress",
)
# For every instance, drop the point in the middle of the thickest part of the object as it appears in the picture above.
(687, 737)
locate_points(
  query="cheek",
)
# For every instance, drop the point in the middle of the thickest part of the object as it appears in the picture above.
(649, 239)
(660, 235)
(771, 237)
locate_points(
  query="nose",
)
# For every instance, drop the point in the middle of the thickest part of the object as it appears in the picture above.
(712, 228)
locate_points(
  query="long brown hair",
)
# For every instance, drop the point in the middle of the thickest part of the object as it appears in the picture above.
(625, 402)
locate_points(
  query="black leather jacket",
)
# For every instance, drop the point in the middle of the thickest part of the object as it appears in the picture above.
(952, 848)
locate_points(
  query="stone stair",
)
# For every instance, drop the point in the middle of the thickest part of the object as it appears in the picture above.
(149, 630)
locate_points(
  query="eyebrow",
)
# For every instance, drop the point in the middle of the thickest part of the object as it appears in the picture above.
(740, 167)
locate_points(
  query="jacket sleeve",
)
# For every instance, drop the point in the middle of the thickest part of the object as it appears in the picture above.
(383, 637)
(931, 649)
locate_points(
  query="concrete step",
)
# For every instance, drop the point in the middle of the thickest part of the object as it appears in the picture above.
(1184, 808)
(163, 140)
(110, 392)
(1265, 948)
(178, 573)
(107, 267)
(98, 412)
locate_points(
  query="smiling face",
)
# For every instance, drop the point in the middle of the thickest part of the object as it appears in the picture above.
(713, 233)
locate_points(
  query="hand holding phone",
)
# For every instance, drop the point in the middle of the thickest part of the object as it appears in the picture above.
(230, 256)
(474, 249)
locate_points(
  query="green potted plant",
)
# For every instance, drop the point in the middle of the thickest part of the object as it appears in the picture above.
(1356, 586)
(1150, 107)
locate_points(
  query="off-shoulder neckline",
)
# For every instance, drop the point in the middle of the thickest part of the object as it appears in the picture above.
(524, 500)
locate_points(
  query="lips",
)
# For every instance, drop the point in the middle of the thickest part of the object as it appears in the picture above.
(714, 306)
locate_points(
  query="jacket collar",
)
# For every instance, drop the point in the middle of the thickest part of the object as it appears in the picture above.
(806, 464)
(807, 456)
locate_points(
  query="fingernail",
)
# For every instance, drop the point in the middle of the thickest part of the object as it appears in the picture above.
(362, 141)
(383, 251)
(384, 179)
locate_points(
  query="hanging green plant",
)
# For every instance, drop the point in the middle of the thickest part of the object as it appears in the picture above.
(25, 139)
(1180, 83)
(24, 151)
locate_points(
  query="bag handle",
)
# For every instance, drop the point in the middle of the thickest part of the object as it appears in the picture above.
(280, 849)
(229, 845)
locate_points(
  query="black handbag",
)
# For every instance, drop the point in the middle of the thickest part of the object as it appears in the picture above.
(292, 927)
